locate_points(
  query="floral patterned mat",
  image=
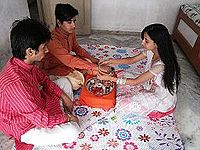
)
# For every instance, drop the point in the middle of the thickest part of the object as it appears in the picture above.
(111, 130)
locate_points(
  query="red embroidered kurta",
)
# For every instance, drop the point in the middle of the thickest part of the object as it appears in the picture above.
(59, 61)
(23, 103)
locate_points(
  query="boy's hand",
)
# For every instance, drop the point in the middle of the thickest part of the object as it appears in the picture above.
(67, 102)
(93, 71)
(94, 60)
(73, 118)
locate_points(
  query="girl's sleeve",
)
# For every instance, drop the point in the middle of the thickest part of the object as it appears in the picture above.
(155, 70)
(144, 52)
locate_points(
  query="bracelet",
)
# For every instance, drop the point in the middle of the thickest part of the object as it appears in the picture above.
(121, 81)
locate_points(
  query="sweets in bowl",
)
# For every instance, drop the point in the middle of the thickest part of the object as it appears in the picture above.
(99, 87)
(97, 93)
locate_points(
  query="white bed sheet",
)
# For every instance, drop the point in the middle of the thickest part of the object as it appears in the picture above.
(111, 130)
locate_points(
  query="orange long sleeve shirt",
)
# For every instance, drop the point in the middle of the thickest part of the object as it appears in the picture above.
(59, 61)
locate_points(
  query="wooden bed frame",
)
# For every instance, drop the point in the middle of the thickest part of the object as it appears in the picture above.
(192, 53)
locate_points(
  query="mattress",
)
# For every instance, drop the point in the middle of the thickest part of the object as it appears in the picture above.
(101, 130)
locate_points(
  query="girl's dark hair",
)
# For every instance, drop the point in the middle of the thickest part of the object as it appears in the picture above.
(27, 33)
(64, 12)
(160, 35)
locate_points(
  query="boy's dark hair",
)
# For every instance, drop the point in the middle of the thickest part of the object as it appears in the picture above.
(64, 12)
(160, 35)
(27, 33)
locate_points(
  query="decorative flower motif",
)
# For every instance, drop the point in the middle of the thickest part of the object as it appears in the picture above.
(106, 46)
(91, 47)
(103, 121)
(69, 145)
(114, 118)
(103, 132)
(89, 128)
(81, 135)
(123, 134)
(131, 119)
(123, 66)
(101, 49)
(105, 51)
(168, 140)
(135, 51)
(140, 66)
(112, 143)
(101, 57)
(121, 50)
(167, 121)
(94, 138)
(113, 48)
(143, 62)
(105, 55)
(144, 138)
(81, 111)
(86, 146)
(130, 146)
(139, 128)
(117, 56)
(96, 113)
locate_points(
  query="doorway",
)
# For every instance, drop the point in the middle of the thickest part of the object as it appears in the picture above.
(33, 9)
(43, 11)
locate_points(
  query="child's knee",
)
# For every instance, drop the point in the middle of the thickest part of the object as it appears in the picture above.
(65, 85)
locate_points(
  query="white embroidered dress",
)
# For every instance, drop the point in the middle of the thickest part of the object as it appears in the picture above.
(155, 97)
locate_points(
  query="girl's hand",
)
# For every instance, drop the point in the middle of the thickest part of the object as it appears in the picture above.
(109, 62)
(104, 69)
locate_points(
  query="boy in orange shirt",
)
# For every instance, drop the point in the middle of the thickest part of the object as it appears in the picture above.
(59, 61)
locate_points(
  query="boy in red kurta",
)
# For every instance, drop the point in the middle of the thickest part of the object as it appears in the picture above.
(29, 101)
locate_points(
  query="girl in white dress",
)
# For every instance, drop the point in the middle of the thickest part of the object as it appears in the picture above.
(160, 79)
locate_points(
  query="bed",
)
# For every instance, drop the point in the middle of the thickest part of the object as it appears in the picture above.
(111, 130)
(187, 32)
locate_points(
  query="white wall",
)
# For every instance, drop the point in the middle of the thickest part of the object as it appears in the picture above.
(112, 15)
(10, 10)
(134, 15)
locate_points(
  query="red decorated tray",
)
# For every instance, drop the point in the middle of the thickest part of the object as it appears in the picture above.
(97, 93)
